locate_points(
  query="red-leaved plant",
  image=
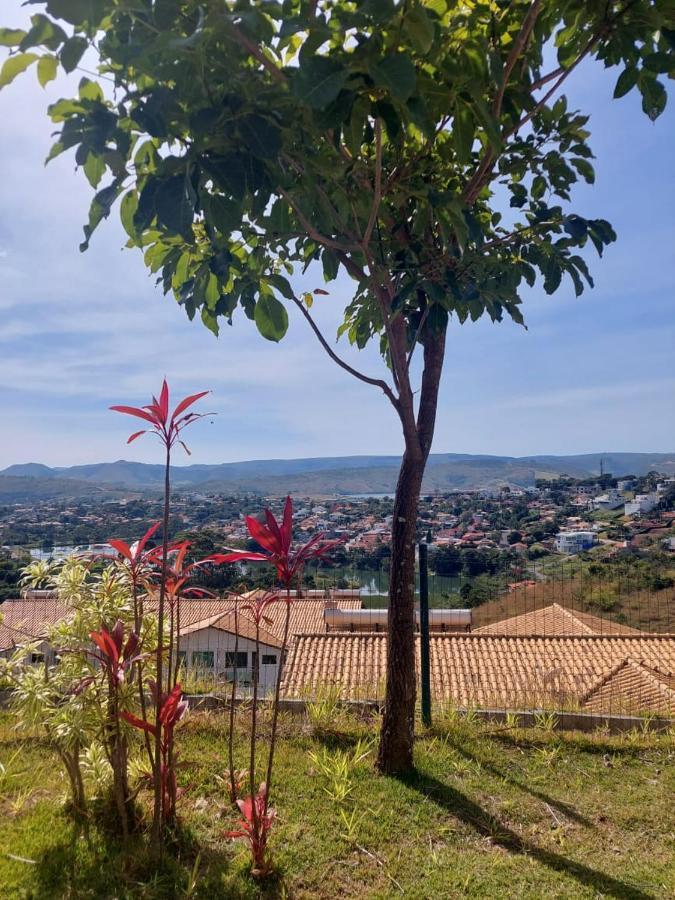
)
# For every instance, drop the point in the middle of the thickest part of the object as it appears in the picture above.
(276, 539)
(116, 655)
(254, 827)
(168, 426)
(172, 708)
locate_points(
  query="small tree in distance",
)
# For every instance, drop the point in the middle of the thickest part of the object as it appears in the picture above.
(248, 138)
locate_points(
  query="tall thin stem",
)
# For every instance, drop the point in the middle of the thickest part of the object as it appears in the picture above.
(233, 697)
(277, 691)
(157, 813)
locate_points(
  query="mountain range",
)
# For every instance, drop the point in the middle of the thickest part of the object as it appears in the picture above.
(319, 475)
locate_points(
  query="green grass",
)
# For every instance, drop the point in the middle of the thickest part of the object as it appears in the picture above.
(490, 812)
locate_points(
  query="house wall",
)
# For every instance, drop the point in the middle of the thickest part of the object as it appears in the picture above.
(212, 640)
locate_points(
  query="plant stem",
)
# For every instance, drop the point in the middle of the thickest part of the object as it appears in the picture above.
(277, 691)
(157, 819)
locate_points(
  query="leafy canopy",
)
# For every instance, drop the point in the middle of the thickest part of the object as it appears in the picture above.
(243, 139)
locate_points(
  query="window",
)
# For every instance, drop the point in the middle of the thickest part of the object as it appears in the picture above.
(269, 659)
(37, 658)
(238, 660)
(202, 659)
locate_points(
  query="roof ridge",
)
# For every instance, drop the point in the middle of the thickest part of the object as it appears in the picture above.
(625, 663)
(575, 618)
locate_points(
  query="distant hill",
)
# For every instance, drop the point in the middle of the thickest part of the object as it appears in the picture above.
(320, 475)
(18, 488)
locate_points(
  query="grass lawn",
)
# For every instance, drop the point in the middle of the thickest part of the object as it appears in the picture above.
(490, 812)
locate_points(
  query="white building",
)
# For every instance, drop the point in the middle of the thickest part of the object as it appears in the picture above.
(642, 504)
(575, 541)
(211, 650)
(613, 499)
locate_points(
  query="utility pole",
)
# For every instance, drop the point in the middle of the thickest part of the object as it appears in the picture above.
(425, 668)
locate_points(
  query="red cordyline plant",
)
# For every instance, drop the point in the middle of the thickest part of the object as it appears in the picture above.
(255, 826)
(138, 561)
(276, 539)
(168, 426)
(116, 655)
(172, 708)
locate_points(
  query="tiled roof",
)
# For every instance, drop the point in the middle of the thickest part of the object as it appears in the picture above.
(554, 620)
(26, 619)
(494, 671)
(230, 624)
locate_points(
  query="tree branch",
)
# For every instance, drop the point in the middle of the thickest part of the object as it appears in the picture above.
(518, 46)
(377, 192)
(376, 382)
(314, 233)
(257, 53)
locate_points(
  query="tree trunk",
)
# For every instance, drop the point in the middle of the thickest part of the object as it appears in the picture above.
(396, 738)
(398, 724)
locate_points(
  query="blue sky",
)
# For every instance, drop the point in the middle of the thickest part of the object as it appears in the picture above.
(81, 331)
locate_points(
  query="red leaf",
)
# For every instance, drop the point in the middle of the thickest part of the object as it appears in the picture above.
(320, 291)
(188, 401)
(135, 411)
(146, 537)
(239, 555)
(261, 535)
(164, 401)
(138, 723)
(105, 643)
(122, 548)
(135, 435)
(273, 526)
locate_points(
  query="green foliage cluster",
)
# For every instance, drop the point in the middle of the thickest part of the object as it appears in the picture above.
(247, 138)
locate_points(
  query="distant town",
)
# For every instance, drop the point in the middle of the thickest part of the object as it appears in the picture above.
(500, 533)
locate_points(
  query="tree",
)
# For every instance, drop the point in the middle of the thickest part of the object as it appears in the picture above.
(376, 139)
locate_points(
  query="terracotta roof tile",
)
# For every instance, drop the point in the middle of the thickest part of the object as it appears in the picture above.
(492, 671)
(555, 620)
(26, 619)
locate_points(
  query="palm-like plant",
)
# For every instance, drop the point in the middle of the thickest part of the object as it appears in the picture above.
(276, 540)
(167, 425)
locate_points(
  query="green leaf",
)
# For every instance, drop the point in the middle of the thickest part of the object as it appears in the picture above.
(224, 214)
(11, 37)
(625, 82)
(271, 318)
(654, 97)
(211, 290)
(261, 136)
(419, 28)
(463, 132)
(282, 285)
(94, 169)
(46, 69)
(210, 320)
(659, 62)
(14, 66)
(128, 208)
(72, 52)
(318, 81)
(538, 187)
(90, 90)
(173, 205)
(585, 169)
(395, 73)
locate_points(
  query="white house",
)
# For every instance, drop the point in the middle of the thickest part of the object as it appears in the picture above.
(613, 499)
(642, 504)
(575, 541)
(210, 649)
